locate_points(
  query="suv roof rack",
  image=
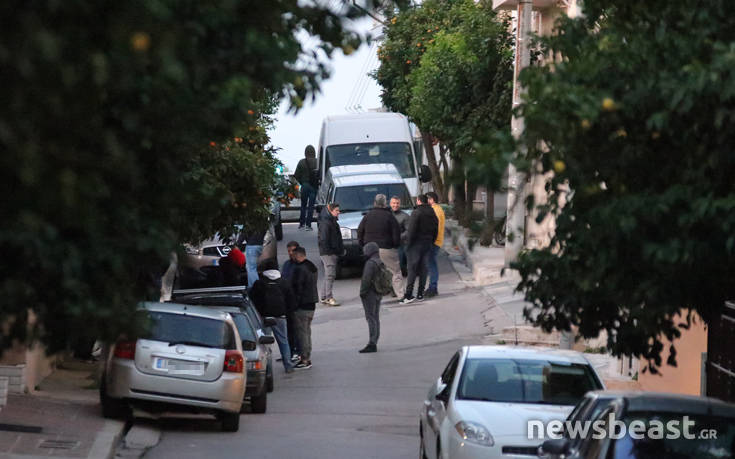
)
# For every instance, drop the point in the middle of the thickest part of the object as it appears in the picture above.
(230, 289)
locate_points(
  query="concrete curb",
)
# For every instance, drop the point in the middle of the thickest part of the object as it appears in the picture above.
(105, 444)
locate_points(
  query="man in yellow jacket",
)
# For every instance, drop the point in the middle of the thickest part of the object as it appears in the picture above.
(433, 267)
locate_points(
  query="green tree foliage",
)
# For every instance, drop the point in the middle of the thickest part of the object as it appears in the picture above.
(109, 109)
(462, 89)
(447, 64)
(636, 118)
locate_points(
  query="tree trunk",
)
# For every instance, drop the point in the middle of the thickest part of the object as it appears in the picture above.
(436, 178)
(470, 200)
(460, 197)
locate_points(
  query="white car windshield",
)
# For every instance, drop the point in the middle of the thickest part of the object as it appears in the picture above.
(359, 198)
(397, 153)
(526, 381)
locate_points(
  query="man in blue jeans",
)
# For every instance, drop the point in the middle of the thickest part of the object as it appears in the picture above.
(433, 267)
(308, 177)
(273, 297)
(253, 250)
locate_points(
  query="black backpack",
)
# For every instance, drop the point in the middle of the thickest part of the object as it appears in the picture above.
(275, 300)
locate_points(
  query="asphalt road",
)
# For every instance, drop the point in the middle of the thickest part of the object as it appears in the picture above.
(348, 405)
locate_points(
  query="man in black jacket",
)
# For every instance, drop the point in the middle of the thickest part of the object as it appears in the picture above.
(273, 297)
(402, 218)
(308, 177)
(379, 225)
(303, 283)
(423, 227)
(330, 248)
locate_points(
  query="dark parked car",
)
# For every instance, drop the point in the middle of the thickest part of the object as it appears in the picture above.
(712, 434)
(231, 296)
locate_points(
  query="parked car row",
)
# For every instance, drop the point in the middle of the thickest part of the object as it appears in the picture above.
(485, 399)
(206, 351)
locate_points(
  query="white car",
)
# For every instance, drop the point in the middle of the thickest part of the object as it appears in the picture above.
(189, 358)
(481, 404)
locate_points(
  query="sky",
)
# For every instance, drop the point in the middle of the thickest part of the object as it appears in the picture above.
(348, 82)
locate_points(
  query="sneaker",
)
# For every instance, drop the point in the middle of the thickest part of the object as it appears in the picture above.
(369, 348)
(303, 365)
(419, 297)
(323, 301)
(296, 358)
(308, 228)
(301, 227)
(430, 293)
(331, 302)
(408, 300)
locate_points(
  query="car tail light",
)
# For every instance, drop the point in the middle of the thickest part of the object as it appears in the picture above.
(125, 350)
(233, 361)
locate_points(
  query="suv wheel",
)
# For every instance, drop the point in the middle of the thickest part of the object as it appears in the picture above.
(259, 403)
(269, 385)
(230, 421)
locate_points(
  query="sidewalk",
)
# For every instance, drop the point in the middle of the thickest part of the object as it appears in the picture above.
(60, 419)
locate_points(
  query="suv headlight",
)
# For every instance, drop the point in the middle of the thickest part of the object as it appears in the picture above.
(346, 233)
(474, 433)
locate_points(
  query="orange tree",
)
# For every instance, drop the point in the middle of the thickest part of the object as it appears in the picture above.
(635, 119)
(109, 109)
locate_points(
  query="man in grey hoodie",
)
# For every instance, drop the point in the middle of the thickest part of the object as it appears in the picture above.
(369, 296)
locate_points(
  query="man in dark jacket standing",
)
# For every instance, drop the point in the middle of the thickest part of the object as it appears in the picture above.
(330, 248)
(370, 297)
(402, 219)
(307, 176)
(286, 271)
(273, 297)
(303, 283)
(423, 227)
(379, 225)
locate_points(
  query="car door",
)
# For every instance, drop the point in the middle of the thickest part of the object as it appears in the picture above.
(436, 411)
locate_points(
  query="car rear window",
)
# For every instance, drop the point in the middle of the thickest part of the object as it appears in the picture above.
(526, 381)
(187, 329)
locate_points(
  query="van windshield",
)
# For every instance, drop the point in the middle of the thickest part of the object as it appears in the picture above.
(396, 153)
(361, 197)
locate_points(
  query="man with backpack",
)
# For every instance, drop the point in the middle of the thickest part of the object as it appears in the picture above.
(379, 225)
(273, 297)
(376, 282)
(308, 177)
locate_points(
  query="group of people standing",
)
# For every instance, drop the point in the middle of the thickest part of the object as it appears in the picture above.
(289, 296)
(388, 234)
(392, 240)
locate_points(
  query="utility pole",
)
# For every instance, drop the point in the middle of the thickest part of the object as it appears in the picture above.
(516, 213)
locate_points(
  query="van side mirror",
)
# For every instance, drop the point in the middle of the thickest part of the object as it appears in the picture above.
(425, 173)
(266, 339)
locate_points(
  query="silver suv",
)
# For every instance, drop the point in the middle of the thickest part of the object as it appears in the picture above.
(189, 358)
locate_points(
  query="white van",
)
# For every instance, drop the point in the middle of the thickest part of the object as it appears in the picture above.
(371, 138)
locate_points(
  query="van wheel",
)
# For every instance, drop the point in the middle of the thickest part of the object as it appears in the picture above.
(259, 403)
(230, 421)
